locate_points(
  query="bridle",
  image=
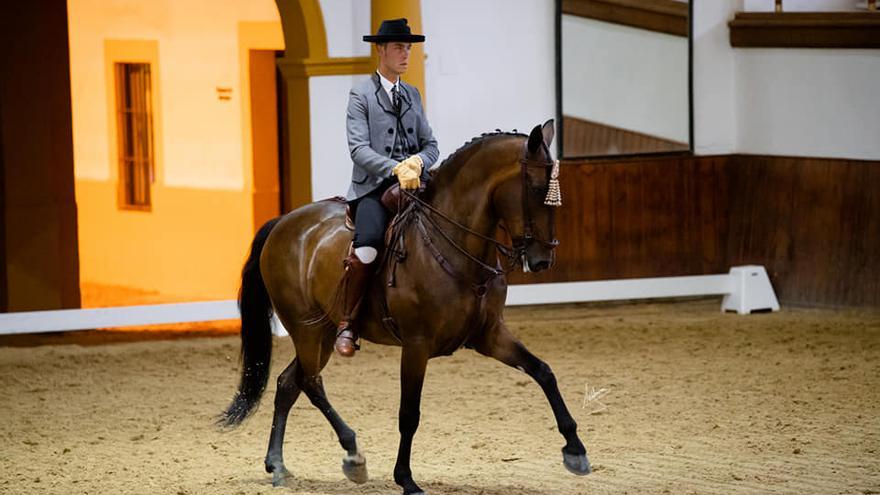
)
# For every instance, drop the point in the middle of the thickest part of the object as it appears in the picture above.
(513, 253)
(420, 212)
(528, 237)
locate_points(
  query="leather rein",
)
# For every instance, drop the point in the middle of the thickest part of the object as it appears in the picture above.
(514, 253)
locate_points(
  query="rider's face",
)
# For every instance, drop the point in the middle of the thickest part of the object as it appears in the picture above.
(394, 56)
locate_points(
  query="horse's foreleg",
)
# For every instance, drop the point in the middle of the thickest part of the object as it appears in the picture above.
(501, 344)
(285, 396)
(413, 363)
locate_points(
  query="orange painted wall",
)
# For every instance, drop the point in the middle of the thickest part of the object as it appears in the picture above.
(214, 157)
(191, 246)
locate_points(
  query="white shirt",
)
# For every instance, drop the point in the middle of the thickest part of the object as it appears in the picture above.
(388, 85)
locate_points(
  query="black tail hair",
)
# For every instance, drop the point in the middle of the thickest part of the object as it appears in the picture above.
(256, 334)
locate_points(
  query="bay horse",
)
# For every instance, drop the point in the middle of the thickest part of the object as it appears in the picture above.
(442, 254)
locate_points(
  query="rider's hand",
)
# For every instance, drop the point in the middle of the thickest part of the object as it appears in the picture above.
(408, 172)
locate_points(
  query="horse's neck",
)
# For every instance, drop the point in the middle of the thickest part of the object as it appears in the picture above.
(469, 207)
(466, 197)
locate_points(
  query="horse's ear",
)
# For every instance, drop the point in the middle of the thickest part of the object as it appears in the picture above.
(549, 131)
(535, 139)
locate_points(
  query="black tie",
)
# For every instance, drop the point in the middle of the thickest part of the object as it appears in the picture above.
(395, 98)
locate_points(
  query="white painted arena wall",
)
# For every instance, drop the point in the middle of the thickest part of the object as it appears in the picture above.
(793, 101)
(345, 21)
(821, 103)
(491, 64)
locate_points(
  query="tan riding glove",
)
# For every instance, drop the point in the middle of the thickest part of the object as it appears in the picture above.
(408, 172)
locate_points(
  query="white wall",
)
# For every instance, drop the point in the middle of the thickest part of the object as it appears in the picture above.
(202, 136)
(715, 111)
(490, 65)
(809, 102)
(346, 22)
(794, 101)
(331, 162)
(625, 77)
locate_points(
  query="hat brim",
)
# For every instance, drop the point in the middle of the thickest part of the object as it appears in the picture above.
(405, 38)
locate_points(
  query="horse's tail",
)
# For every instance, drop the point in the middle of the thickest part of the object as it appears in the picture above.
(256, 334)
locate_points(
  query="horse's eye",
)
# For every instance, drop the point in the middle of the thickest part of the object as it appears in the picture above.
(540, 191)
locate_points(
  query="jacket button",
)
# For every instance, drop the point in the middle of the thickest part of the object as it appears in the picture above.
(413, 149)
(390, 131)
(387, 149)
(410, 130)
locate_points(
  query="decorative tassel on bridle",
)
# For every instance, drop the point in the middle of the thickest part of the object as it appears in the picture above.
(554, 196)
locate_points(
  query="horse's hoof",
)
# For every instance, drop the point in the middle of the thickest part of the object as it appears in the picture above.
(355, 468)
(413, 490)
(280, 476)
(576, 463)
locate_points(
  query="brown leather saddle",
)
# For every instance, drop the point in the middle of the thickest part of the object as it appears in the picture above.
(393, 201)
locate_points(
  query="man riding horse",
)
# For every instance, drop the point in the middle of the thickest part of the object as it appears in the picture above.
(445, 285)
(388, 136)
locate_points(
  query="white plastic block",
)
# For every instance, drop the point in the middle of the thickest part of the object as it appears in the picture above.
(750, 290)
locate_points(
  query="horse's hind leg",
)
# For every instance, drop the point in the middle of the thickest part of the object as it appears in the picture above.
(285, 396)
(354, 464)
(502, 345)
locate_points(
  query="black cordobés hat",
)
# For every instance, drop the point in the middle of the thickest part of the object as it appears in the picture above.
(394, 30)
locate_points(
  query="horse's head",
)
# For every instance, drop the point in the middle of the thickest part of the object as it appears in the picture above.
(525, 202)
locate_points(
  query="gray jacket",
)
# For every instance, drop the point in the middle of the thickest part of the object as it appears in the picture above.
(372, 132)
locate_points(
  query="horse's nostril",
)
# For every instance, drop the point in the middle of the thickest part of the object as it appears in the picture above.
(541, 265)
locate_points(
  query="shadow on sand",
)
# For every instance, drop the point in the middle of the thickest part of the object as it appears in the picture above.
(344, 487)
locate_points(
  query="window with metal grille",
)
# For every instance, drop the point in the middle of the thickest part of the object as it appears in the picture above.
(135, 129)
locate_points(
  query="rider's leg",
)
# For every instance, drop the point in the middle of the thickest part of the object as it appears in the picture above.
(370, 221)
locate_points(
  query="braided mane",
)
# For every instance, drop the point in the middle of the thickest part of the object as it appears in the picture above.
(473, 142)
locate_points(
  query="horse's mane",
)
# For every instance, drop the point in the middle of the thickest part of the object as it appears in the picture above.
(476, 140)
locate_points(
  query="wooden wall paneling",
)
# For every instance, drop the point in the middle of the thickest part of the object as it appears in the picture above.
(599, 209)
(714, 214)
(640, 218)
(583, 138)
(760, 217)
(39, 211)
(862, 202)
(664, 16)
(805, 30)
(3, 282)
(813, 223)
